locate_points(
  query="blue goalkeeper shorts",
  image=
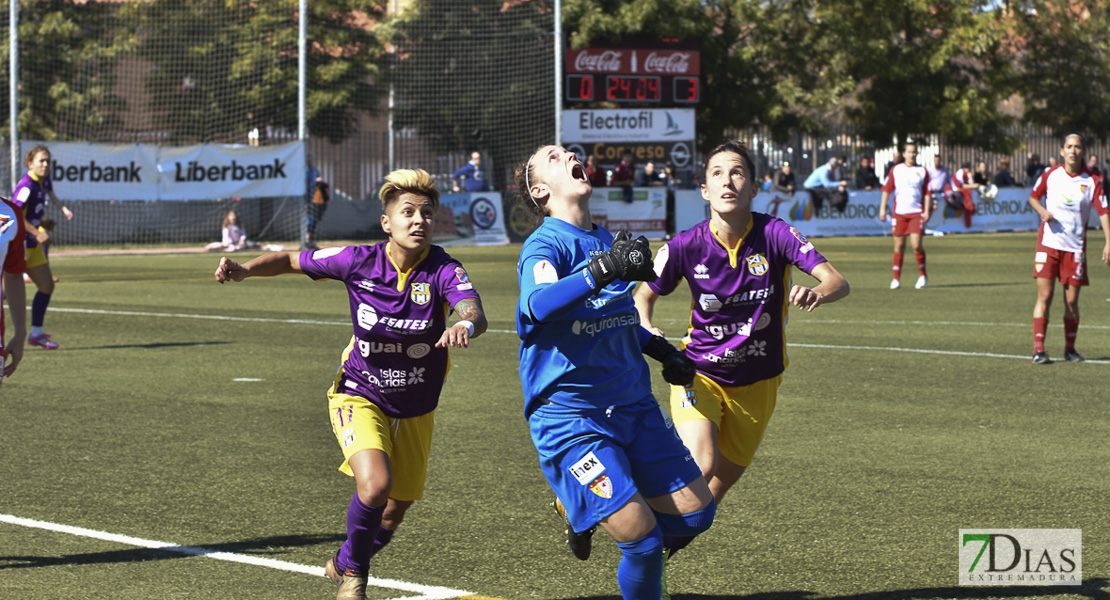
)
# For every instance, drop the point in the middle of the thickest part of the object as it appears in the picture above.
(597, 460)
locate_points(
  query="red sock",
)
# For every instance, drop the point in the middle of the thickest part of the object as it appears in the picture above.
(1039, 327)
(920, 256)
(898, 265)
(1071, 329)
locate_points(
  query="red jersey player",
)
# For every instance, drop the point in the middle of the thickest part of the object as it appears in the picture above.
(12, 265)
(1068, 190)
(909, 182)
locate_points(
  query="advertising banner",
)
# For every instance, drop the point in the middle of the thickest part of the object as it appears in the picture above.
(1009, 211)
(646, 215)
(86, 171)
(475, 217)
(611, 126)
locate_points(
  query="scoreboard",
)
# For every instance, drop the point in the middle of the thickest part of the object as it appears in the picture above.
(631, 75)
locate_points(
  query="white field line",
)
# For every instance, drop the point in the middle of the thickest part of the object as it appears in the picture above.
(513, 332)
(427, 592)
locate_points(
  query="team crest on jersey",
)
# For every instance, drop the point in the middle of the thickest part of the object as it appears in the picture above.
(602, 486)
(421, 293)
(757, 264)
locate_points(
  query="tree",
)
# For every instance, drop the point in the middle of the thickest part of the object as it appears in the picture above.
(66, 71)
(222, 69)
(475, 76)
(1062, 64)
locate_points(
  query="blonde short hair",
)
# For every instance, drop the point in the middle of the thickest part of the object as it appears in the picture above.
(412, 181)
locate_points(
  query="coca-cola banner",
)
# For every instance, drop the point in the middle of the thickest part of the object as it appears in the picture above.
(628, 125)
(634, 62)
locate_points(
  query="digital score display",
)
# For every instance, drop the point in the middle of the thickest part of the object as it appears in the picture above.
(632, 88)
(686, 90)
(581, 87)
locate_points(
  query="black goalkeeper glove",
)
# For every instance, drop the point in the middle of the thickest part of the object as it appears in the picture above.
(629, 259)
(678, 369)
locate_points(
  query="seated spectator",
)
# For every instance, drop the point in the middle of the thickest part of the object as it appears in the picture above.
(866, 179)
(594, 173)
(624, 176)
(897, 159)
(234, 237)
(822, 186)
(784, 180)
(649, 177)
(768, 181)
(1003, 178)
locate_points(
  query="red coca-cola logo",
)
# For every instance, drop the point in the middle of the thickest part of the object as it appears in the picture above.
(605, 61)
(674, 62)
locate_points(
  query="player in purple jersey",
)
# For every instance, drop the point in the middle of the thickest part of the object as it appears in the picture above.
(737, 265)
(383, 399)
(31, 194)
(602, 440)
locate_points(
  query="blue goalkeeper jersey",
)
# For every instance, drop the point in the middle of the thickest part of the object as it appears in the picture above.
(589, 357)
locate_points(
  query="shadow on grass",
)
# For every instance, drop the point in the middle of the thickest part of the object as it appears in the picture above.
(1094, 588)
(261, 547)
(148, 346)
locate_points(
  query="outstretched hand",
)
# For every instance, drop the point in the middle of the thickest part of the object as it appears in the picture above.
(229, 270)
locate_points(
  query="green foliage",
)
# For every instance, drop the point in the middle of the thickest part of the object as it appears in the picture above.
(65, 68)
(1062, 57)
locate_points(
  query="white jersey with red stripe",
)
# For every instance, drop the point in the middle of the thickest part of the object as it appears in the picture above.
(910, 186)
(1069, 198)
(11, 253)
(961, 178)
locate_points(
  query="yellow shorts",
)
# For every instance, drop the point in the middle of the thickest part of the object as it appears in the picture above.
(36, 256)
(361, 425)
(740, 413)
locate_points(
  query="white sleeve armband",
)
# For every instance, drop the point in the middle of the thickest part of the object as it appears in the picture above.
(469, 326)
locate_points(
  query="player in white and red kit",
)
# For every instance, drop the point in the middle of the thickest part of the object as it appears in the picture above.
(1069, 190)
(962, 184)
(13, 264)
(909, 182)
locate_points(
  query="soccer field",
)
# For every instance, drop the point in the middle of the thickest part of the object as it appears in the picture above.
(177, 444)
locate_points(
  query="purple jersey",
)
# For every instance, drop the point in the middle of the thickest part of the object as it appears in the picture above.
(30, 195)
(738, 322)
(398, 317)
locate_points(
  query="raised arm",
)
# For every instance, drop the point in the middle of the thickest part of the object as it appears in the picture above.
(831, 287)
(471, 324)
(267, 265)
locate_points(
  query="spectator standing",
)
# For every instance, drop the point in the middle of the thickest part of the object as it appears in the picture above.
(1033, 169)
(315, 208)
(473, 174)
(981, 175)
(865, 178)
(784, 180)
(650, 177)
(671, 179)
(909, 182)
(940, 180)
(1003, 178)
(1068, 191)
(822, 185)
(624, 176)
(595, 174)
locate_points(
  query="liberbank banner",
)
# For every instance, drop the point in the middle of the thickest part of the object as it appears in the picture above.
(85, 171)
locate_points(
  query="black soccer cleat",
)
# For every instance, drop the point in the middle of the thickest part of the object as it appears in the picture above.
(1073, 356)
(580, 543)
(1041, 358)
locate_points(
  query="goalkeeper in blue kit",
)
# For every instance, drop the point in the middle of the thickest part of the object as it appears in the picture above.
(608, 450)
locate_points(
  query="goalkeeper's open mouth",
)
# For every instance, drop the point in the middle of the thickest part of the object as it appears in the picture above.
(578, 172)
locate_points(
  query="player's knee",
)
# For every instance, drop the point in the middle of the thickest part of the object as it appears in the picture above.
(645, 548)
(374, 491)
(690, 523)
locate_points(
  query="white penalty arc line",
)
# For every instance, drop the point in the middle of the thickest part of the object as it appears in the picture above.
(513, 332)
(427, 592)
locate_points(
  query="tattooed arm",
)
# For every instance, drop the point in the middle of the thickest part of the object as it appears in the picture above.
(472, 324)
